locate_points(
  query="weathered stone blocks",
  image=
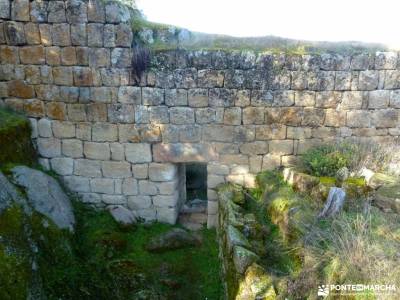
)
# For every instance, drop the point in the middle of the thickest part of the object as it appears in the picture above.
(138, 153)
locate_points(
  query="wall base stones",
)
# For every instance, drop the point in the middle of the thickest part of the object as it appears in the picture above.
(243, 277)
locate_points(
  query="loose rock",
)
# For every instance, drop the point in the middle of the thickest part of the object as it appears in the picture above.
(122, 215)
(46, 196)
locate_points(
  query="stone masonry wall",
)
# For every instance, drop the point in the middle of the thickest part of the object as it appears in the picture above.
(118, 140)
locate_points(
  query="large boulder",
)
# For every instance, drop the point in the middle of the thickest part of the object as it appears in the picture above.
(8, 193)
(46, 196)
(388, 198)
(174, 239)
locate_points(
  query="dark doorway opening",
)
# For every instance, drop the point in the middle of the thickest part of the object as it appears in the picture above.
(196, 181)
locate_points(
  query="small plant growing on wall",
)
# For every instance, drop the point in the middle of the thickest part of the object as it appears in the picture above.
(140, 61)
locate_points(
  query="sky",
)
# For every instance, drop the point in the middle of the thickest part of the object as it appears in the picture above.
(322, 20)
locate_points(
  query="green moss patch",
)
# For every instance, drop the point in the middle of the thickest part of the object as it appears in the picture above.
(101, 260)
(15, 256)
(190, 273)
(15, 139)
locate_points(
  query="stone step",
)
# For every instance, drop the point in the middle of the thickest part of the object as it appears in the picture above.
(194, 206)
(193, 221)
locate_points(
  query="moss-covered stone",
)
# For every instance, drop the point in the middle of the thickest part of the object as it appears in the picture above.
(388, 198)
(15, 139)
(355, 187)
(242, 258)
(380, 179)
(257, 284)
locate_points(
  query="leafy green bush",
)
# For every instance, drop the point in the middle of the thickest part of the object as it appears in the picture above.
(324, 160)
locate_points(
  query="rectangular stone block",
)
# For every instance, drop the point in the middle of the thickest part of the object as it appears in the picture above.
(386, 60)
(368, 80)
(114, 199)
(343, 81)
(68, 56)
(129, 94)
(116, 169)
(130, 187)
(140, 171)
(183, 152)
(181, 115)
(328, 99)
(20, 10)
(139, 202)
(218, 133)
(32, 33)
(268, 132)
(49, 147)
(271, 161)
(152, 96)
(96, 11)
(395, 99)
(162, 172)
(198, 97)
(5, 9)
(102, 185)
(313, 117)
(60, 34)
(233, 116)
(253, 115)
(103, 132)
(87, 168)
(77, 183)
(62, 165)
(358, 118)
(78, 35)
(384, 118)
(34, 55)
(210, 78)
(176, 97)
(167, 187)
(95, 34)
(253, 148)
(99, 57)
(335, 118)
(63, 76)
(281, 147)
(76, 112)
(305, 98)
(72, 148)
(138, 153)
(147, 187)
(166, 201)
(100, 151)
(63, 129)
(378, 99)
(392, 79)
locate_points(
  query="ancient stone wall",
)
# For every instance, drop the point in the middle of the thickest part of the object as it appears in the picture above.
(118, 140)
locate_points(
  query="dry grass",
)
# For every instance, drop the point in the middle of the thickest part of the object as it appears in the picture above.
(355, 247)
(372, 155)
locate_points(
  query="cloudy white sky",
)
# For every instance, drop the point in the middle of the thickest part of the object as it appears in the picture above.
(328, 20)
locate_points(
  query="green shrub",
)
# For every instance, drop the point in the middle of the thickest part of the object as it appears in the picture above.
(324, 160)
